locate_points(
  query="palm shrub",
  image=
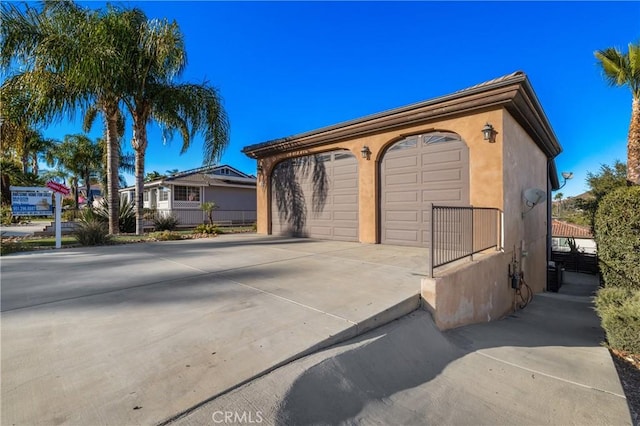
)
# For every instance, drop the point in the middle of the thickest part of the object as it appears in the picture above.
(165, 223)
(93, 232)
(617, 232)
(126, 214)
(208, 207)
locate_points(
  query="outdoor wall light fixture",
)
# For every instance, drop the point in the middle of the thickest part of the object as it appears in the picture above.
(566, 176)
(366, 152)
(489, 133)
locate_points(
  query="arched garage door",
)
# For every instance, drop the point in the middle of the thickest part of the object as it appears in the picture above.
(416, 172)
(316, 196)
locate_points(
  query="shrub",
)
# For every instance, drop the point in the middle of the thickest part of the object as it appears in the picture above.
(92, 233)
(70, 215)
(206, 229)
(166, 235)
(6, 215)
(208, 208)
(10, 245)
(126, 214)
(617, 229)
(619, 309)
(165, 223)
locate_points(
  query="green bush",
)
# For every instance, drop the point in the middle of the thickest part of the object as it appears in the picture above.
(10, 246)
(92, 233)
(206, 229)
(5, 215)
(619, 309)
(70, 215)
(165, 223)
(166, 236)
(126, 214)
(617, 229)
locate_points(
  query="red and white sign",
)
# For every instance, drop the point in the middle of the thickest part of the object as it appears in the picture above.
(58, 187)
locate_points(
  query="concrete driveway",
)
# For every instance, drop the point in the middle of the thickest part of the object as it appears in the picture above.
(136, 334)
(544, 365)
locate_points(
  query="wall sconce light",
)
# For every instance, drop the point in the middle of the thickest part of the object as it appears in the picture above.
(489, 133)
(566, 176)
(366, 152)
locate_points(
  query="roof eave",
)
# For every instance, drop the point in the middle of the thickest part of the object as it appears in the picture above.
(513, 93)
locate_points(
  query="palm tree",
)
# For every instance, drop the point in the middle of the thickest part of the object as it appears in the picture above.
(153, 175)
(70, 57)
(558, 198)
(158, 58)
(623, 69)
(79, 155)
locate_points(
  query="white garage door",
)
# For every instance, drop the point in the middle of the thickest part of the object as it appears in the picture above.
(416, 172)
(316, 196)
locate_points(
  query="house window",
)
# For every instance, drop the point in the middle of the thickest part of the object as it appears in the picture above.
(186, 193)
(163, 195)
(145, 196)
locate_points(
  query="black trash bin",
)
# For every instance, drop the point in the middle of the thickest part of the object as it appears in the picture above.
(554, 276)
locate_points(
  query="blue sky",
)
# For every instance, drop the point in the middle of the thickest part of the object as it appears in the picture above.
(289, 67)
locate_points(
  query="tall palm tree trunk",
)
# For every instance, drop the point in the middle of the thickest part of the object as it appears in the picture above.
(633, 144)
(140, 146)
(113, 161)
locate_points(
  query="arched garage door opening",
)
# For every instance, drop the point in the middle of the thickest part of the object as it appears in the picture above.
(316, 196)
(416, 172)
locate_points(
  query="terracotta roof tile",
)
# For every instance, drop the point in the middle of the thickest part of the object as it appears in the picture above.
(564, 229)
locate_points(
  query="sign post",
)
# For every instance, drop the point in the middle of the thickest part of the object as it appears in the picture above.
(60, 190)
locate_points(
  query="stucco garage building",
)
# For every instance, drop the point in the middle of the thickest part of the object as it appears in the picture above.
(376, 178)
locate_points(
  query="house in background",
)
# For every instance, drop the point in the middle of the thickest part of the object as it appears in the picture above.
(561, 232)
(381, 179)
(182, 194)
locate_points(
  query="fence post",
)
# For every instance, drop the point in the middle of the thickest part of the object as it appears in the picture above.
(473, 237)
(431, 241)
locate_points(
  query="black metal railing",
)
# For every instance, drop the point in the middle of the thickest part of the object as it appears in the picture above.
(459, 232)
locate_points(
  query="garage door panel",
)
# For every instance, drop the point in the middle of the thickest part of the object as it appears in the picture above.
(441, 157)
(402, 178)
(442, 176)
(402, 162)
(402, 197)
(331, 216)
(401, 235)
(401, 216)
(441, 195)
(324, 231)
(346, 185)
(442, 172)
(349, 232)
(346, 215)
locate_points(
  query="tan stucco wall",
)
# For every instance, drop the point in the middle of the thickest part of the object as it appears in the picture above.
(525, 166)
(478, 291)
(499, 173)
(485, 159)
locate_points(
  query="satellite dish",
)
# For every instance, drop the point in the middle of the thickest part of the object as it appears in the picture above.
(534, 196)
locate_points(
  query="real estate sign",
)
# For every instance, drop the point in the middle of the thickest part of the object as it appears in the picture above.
(27, 201)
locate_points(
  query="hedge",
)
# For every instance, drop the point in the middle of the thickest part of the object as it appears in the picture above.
(619, 309)
(617, 229)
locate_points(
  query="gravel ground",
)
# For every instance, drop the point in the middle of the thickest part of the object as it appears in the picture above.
(628, 367)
